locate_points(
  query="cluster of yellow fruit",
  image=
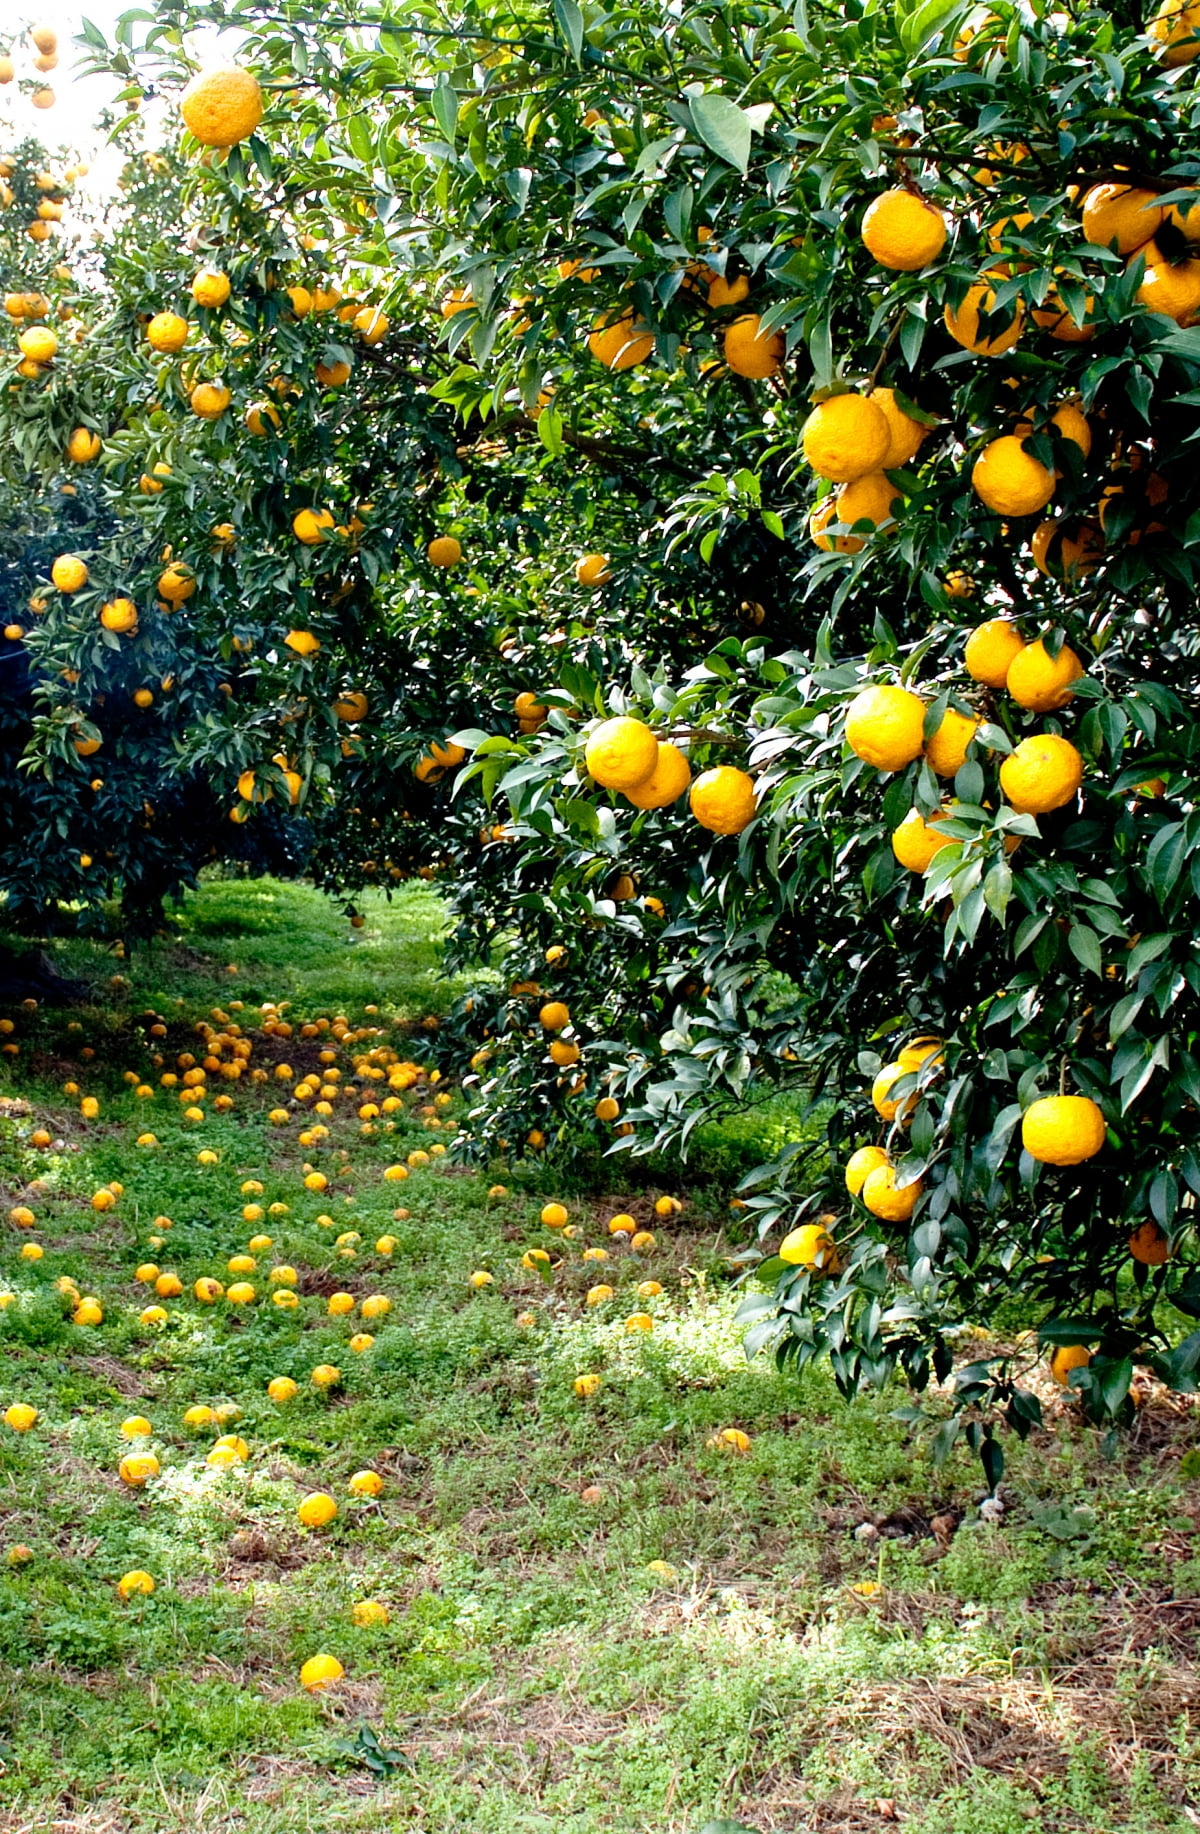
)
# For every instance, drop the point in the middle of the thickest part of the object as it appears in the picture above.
(885, 726)
(624, 754)
(44, 40)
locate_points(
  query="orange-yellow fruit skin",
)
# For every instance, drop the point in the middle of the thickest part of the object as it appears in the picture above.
(885, 726)
(1062, 1129)
(991, 650)
(845, 437)
(1042, 774)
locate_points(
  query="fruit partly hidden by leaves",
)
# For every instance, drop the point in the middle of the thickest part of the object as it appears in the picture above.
(916, 840)
(991, 650)
(946, 751)
(888, 1106)
(311, 526)
(621, 342)
(861, 1164)
(438, 760)
(1041, 774)
(667, 781)
(1171, 288)
(1062, 1129)
(1175, 29)
(320, 1672)
(751, 352)
(221, 107)
(906, 433)
(1066, 1358)
(621, 753)
(593, 570)
(1122, 215)
(304, 642)
(872, 499)
(83, 446)
(885, 726)
(351, 706)
(724, 799)
(845, 437)
(1009, 480)
(811, 1246)
(176, 583)
(887, 1199)
(1040, 681)
(965, 322)
(1150, 1245)
(1069, 550)
(904, 231)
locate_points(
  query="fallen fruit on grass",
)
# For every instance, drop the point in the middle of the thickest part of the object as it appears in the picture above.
(320, 1672)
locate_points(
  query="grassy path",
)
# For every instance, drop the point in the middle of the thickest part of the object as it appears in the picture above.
(596, 1618)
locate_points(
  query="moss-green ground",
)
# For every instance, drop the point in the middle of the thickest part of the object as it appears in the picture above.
(535, 1673)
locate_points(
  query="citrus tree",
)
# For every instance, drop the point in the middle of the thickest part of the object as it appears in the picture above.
(889, 306)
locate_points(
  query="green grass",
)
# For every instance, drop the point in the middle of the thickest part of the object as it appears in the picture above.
(534, 1673)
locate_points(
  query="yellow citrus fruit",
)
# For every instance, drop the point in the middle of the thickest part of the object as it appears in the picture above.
(593, 570)
(621, 753)
(1150, 1245)
(1043, 773)
(137, 1468)
(1066, 1358)
(69, 573)
(732, 1439)
(320, 1672)
(916, 840)
(946, 751)
(872, 499)
(210, 288)
(750, 352)
(554, 1016)
(1009, 480)
(1054, 316)
(333, 375)
(963, 322)
(810, 1246)
(167, 332)
(991, 650)
(261, 416)
(887, 1105)
(1123, 215)
(554, 1216)
(1062, 1129)
(667, 781)
(1170, 288)
(861, 1164)
(221, 106)
(845, 437)
(20, 1416)
(83, 446)
(209, 400)
(1040, 681)
(310, 526)
(176, 584)
(136, 1583)
(884, 1198)
(1175, 28)
(119, 615)
(317, 1510)
(903, 231)
(351, 707)
(38, 343)
(886, 726)
(369, 1611)
(724, 799)
(621, 342)
(585, 1385)
(906, 433)
(282, 1388)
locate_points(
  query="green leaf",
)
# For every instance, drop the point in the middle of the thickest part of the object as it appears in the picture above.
(915, 27)
(444, 102)
(550, 430)
(569, 20)
(723, 127)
